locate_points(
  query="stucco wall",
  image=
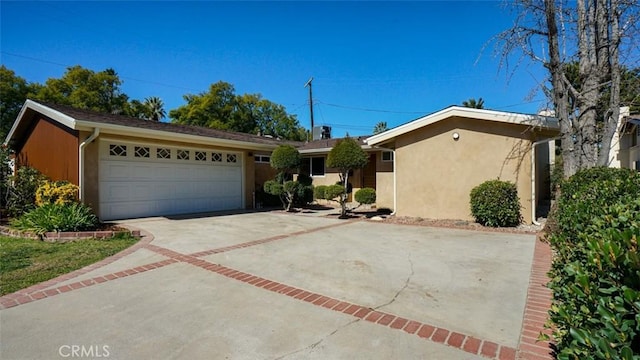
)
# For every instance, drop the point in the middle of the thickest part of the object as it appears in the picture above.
(436, 173)
(384, 183)
(51, 149)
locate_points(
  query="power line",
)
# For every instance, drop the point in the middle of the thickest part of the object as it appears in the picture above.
(119, 75)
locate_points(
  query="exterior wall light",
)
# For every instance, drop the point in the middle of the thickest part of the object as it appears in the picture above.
(456, 136)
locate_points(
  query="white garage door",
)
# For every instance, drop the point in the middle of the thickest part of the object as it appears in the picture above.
(147, 180)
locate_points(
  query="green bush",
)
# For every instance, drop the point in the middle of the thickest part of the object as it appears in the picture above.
(595, 273)
(366, 196)
(57, 217)
(333, 191)
(22, 192)
(496, 203)
(319, 192)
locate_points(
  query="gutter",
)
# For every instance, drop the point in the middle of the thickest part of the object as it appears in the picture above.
(395, 187)
(533, 178)
(87, 141)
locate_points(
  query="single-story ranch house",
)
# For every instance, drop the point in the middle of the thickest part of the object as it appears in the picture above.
(128, 167)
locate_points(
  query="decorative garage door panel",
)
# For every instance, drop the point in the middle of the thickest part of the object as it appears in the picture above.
(139, 181)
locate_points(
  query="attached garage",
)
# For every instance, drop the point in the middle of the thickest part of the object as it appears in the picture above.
(128, 168)
(138, 180)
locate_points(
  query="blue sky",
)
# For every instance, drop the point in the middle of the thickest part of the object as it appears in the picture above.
(401, 59)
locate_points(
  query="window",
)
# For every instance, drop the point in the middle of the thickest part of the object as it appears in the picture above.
(317, 166)
(387, 156)
(163, 153)
(183, 155)
(216, 157)
(117, 150)
(232, 158)
(141, 152)
(201, 156)
(263, 159)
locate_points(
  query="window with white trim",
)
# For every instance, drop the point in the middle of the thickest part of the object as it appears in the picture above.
(117, 150)
(263, 159)
(163, 153)
(183, 155)
(141, 152)
(317, 166)
(201, 156)
(216, 157)
(387, 156)
(232, 158)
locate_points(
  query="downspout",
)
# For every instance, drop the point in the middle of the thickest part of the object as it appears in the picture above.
(395, 197)
(533, 178)
(89, 140)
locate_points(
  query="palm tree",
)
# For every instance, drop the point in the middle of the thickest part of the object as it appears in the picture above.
(156, 108)
(472, 103)
(380, 127)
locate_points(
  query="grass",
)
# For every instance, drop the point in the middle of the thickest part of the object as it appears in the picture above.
(25, 262)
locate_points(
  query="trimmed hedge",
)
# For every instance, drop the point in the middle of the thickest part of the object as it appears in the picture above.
(366, 196)
(495, 203)
(595, 274)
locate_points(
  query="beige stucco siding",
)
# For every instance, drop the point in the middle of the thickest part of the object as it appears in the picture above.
(91, 173)
(436, 173)
(384, 183)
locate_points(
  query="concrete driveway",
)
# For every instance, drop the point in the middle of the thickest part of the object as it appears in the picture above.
(280, 286)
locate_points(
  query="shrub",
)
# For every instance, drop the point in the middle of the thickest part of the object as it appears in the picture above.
(57, 217)
(596, 265)
(319, 192)
(22, 193)
(496, 203)
(366, 196)
(333, 191)
(56, 192)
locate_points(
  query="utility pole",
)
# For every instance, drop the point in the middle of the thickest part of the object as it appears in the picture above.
(310, 106)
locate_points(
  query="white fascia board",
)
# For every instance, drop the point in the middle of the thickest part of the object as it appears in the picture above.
(63, 119)
(456, 111)
(327, 150)
(170, 136)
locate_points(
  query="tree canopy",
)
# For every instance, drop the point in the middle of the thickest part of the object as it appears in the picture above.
(220, 108)
(86, 89)
(14, 90)
(595, 35)
(346, 155)
(473, 103)
(380, 127)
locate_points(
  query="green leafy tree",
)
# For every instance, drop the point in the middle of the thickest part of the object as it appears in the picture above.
(345, 156)
(380, 127)
(220, 108)
(14, 90)
(155, 107)
(86, 89)
(473, 103)
(286, 159)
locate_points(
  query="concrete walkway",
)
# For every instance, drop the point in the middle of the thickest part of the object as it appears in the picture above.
(274, 286)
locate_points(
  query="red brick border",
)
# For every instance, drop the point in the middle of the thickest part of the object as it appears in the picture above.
(537, 307)
(538, 297)
(29, 294)
(456, 340)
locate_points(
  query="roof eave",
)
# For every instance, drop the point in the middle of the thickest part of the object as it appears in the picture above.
(170, 136)
(64, 119)
(543, 122)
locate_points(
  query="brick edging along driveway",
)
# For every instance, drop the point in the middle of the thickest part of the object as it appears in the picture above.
(528, 348)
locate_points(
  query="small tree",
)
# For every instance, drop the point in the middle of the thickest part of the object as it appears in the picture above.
(346, 155)
(285, 158)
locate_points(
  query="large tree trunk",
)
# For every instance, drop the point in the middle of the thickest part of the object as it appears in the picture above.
(612, 115)
(560, 92)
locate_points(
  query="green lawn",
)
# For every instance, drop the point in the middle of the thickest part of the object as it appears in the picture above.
(25, 262)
